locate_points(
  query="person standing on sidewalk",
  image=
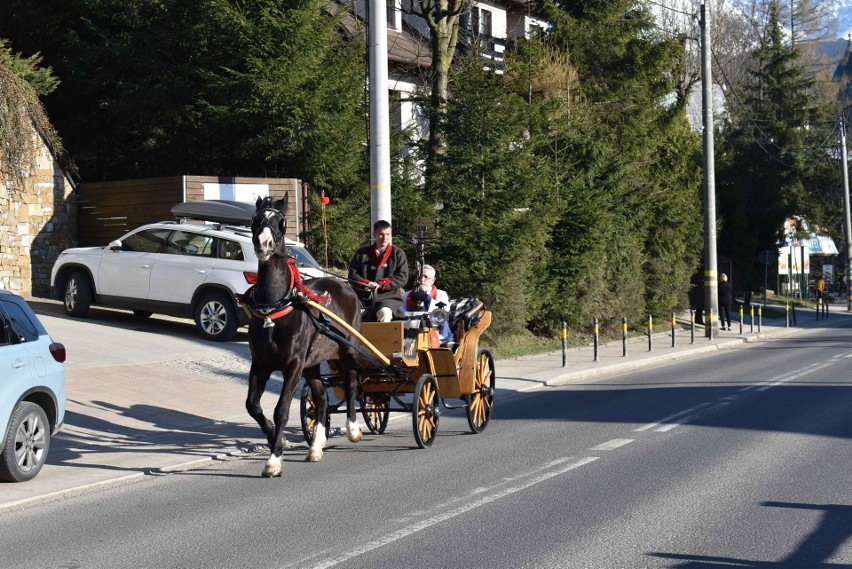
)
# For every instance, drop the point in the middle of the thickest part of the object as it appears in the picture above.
(726, 299)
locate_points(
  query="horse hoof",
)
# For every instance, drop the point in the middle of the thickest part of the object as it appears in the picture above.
(314, 455)
(271, 471)
(355, 436)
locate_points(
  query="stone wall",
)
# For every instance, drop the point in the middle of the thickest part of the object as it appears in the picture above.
(38, 219)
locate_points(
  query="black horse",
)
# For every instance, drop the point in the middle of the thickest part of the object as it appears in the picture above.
(286, 334)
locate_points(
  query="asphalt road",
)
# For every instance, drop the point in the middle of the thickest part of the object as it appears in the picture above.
(737, 460)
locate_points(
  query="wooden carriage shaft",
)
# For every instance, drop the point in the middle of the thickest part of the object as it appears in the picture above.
(376, 353)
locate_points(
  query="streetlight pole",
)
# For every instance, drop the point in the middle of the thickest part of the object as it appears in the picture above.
(380, 172)
(711, 285)
(846, 224)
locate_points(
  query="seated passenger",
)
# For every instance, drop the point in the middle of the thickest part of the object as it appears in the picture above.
(426, 297)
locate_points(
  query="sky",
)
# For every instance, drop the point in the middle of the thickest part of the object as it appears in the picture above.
(844, 15)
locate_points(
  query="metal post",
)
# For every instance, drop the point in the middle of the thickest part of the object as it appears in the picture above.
(741, 320)
(564, 343)
(846, 217)
(711, 285)
(673, 329)
(691, 326)
(751, 318)
(759, 318)
(650, 332)
(624, 337)
(786, 315)
(596, 339)
(709, 325)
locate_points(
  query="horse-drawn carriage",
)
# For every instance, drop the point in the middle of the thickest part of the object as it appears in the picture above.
(377, 368)
(412, 373)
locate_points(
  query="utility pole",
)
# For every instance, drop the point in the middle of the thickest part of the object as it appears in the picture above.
(711, 285)
(846, 220)
(380, 179)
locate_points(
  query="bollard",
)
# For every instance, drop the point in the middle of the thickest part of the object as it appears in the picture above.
(704, 317)
(759, 318)
(786, 315)
(624, 337)
(564, 343)
(673, 329)
(741, 320)
(691, 326)
(751, 318)
(596, 339)
(650, 332)
(709, 325)
(793, 314)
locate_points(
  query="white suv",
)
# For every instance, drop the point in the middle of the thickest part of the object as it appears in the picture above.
(180, 268)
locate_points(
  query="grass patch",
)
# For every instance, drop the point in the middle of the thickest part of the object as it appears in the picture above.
(517, 345)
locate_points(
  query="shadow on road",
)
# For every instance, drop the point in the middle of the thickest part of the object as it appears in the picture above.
(834, 528)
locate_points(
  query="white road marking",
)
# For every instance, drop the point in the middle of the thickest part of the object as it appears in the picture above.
(610, 445)
(669, 418)
(795, 375)
(563, 466)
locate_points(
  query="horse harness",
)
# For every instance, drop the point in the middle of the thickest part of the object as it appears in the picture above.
(296, 292)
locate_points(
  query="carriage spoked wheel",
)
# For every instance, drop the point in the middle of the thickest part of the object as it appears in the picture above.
(425, 411)
(376, 410)
(481, 401)
(308, 414)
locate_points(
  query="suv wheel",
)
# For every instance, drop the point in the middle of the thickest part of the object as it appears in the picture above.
(26, 445)
(78, 294)
(216, 317)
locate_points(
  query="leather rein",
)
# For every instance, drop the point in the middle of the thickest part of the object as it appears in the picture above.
(296, 289)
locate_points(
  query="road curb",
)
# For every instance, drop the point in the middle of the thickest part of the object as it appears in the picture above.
(611, 369)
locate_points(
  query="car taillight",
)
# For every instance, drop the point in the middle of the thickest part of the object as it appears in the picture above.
(251, 278)
(57, 350)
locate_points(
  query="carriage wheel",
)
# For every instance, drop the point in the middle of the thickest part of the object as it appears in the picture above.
(376, 410)
(481, 401)
(425, 411)
(308, 414)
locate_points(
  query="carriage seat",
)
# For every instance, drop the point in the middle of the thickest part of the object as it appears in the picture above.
(466, 310)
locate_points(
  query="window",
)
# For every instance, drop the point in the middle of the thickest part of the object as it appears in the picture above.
(187, 243)
(481, 22)
(148, 241)
(230, 250)
(4, 334)
(20, 322)
(303, 258)
(394, 15)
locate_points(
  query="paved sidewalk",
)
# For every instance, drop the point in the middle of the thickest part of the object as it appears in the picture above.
(149, 396)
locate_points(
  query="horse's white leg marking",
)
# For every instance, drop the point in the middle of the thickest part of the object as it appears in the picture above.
(273, 466)
(315, 452)
(353, 431)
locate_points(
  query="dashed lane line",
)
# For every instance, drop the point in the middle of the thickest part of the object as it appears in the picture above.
(563, 466)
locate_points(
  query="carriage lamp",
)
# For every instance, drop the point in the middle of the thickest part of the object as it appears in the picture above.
(439, 317)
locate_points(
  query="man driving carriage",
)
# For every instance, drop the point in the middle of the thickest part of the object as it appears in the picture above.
(383, 269)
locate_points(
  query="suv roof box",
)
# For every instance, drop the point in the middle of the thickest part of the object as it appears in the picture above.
(217, 211)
